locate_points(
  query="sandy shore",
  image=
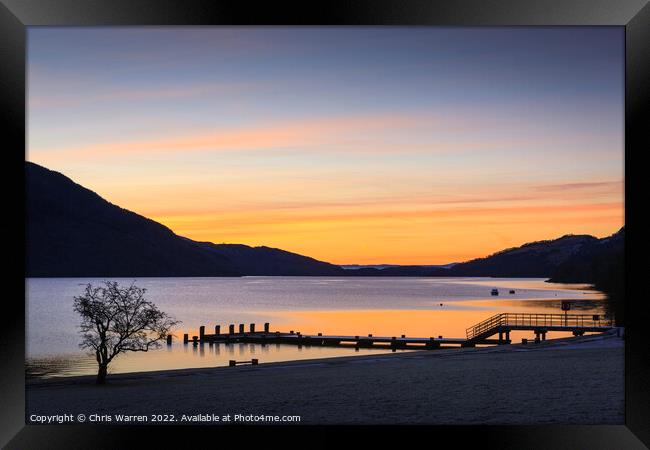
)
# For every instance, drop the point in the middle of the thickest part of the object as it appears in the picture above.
(571, 381)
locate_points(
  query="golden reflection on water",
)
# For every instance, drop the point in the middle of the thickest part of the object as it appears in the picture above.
(180, 356)
(448, 319)
(426, 323)
(446, 322)
(423, 323)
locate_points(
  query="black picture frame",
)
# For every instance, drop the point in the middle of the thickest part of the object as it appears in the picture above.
(634, 15)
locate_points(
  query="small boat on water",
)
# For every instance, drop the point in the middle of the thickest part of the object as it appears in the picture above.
(512, 291)
(495, 291)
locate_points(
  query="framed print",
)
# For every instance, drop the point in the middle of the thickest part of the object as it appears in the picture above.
(272, 218)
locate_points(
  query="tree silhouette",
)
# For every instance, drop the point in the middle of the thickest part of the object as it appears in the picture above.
(117, 319)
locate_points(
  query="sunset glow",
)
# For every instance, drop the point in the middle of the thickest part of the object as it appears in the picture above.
(350, 145)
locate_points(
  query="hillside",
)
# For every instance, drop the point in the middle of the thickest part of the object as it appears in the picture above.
(601, 263)
(73, 232)
(535, 259)
(271, 261)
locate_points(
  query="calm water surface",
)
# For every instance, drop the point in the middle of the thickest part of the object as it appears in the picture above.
(420, 307)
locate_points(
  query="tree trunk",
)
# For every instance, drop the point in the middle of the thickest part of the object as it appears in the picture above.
(101, 374)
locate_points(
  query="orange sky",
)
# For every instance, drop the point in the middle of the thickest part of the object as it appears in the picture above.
(357, 145)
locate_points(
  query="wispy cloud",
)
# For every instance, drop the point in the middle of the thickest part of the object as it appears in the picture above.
(582, 186)
(298, 134)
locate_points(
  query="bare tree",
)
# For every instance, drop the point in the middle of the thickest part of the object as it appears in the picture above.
(117, 319)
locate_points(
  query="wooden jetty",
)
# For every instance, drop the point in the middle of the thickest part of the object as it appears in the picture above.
(493, 331)
(540, 324)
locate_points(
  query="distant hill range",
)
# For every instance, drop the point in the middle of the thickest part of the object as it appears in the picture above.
(568, 259)
(388, 266)
(73, 232)
(536, 259)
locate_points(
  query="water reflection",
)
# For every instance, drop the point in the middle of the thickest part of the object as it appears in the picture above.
(177, 356)
(427, 323)
(382, 307)
(550, 306)
(416, 323)
(60, 366)
(419, 323)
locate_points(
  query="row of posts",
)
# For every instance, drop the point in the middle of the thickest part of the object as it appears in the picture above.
(217, 331)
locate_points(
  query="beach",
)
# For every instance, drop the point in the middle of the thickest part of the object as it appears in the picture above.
(569, 381)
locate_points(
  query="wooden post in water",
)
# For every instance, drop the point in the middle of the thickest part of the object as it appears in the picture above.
(254, 361)
(195, 340)
(202, 332)
(169, 339)
(185, 338)
(241, 328)
(217, 329)
(231, 329)
(266, 327)
(252, 327)
(232, 363)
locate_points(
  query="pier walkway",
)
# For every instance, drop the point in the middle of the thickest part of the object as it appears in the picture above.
(493, 331)
(540, 324)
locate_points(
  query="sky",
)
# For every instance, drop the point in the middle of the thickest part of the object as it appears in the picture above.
(367, 145)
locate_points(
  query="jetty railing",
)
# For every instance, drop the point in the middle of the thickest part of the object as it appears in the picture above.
(538, 320)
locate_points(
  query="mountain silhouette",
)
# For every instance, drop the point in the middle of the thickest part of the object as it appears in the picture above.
(73, 232)
(535, 259)
(600, 263)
